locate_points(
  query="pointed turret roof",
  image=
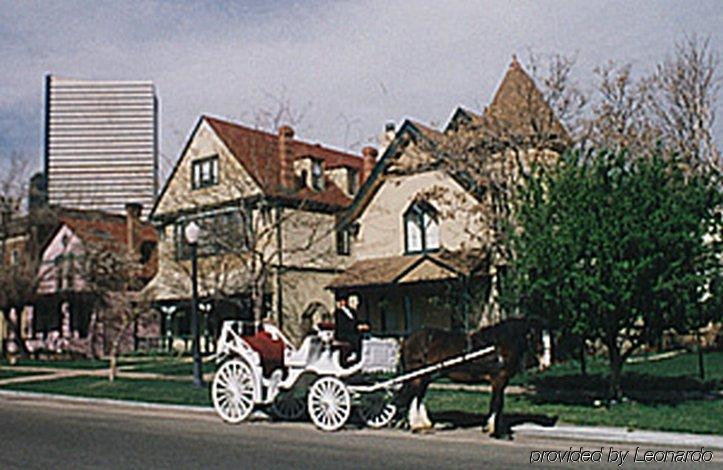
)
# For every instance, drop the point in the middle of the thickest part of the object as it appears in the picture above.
(518, 109)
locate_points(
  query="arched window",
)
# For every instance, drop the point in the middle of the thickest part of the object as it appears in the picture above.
(421, 228)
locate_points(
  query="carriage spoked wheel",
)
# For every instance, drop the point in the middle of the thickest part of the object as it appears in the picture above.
(329, 403)
(288, 407)
(232, 391)
(378, 410)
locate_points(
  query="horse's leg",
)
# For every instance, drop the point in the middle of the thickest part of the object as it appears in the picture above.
(418, 419)
(423, 417)
(492, 427)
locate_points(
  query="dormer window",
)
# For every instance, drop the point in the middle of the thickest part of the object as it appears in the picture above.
(204, 172)
(317, 175)
(421, 228)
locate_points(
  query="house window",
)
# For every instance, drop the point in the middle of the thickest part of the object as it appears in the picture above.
(15, 257)
(421, 228)
(317, 175)
(353, 183)
(204, 172)
(343, 247)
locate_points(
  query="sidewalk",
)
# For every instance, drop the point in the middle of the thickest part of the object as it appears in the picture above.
(610, 435)
(50, 373)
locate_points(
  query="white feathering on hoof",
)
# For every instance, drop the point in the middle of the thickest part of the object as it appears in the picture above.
(418, 420)
(426, 422)
(489, 428)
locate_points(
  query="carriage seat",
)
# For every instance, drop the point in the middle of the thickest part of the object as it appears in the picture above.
(270, 350)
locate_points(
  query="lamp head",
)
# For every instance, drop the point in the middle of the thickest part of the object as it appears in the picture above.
(192, 233)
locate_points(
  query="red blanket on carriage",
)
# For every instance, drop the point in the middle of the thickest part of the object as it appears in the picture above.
(270, 350)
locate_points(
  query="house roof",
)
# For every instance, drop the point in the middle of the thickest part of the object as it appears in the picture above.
(110, 231)
(259, 153)
(409, 268)
(518, 109)
(516, 97)
(16, 226)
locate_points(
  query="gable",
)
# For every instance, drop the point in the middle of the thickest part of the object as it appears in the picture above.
(427, 270)
(381, 222)
(234, 181)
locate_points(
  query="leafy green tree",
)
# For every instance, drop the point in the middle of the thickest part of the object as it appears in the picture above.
(616, 247)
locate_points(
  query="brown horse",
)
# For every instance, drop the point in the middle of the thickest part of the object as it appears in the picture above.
(517, 345)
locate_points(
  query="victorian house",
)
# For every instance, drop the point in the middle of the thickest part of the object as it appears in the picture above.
(47, 304)
(266, 205)
(415, 236)
(117, 246)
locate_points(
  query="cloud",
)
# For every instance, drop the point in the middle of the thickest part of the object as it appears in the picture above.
(359, 64)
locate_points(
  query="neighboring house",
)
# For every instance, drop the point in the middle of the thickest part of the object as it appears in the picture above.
(266, 205)
(419, 259)
(63, 308)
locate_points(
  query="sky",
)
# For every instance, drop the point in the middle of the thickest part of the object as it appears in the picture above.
(350, 67)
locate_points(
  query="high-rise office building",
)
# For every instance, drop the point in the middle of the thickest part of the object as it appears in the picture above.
(101, 143)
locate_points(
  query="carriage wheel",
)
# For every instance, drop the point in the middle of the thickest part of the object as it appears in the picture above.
(288, 407)
(232, 391)
(377, 412)
(329, 403)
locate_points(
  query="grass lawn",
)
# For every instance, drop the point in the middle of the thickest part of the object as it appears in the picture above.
(696, 416)
(157, 391)
(171, 367)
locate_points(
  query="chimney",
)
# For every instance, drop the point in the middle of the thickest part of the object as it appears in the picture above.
(133, 215)
(369, 154)
(286, 158)
(387, 136)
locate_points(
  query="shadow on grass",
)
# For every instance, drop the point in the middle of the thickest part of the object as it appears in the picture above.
(575, 389)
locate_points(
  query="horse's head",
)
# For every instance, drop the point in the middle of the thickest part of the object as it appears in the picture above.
(536, 352)
(520, 340)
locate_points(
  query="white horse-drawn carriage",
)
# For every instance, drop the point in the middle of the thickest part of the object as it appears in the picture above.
(260, 368)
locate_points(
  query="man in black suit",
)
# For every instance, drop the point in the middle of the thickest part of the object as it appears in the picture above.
(347, 328)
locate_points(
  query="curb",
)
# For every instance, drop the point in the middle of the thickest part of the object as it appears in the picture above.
(106, 401)
(600, 434)
(620, 436)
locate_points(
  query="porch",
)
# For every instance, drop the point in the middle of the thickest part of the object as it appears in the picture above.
(398, 295)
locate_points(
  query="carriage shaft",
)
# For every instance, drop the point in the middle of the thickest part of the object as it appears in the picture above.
(451, 362)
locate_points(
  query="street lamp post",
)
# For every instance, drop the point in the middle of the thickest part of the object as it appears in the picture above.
(192, 233)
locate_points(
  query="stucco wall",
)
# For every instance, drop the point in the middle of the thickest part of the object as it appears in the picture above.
(300, 290)
(382, 224)
(233, 180)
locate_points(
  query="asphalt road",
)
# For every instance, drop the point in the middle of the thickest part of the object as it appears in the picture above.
(57, 435)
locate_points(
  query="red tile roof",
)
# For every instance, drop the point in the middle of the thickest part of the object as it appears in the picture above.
(110, 231)
(259, 153)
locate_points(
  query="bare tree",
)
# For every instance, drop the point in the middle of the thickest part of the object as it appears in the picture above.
(112, 279)
(619, 119)
(18, 261)
(683, 95)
